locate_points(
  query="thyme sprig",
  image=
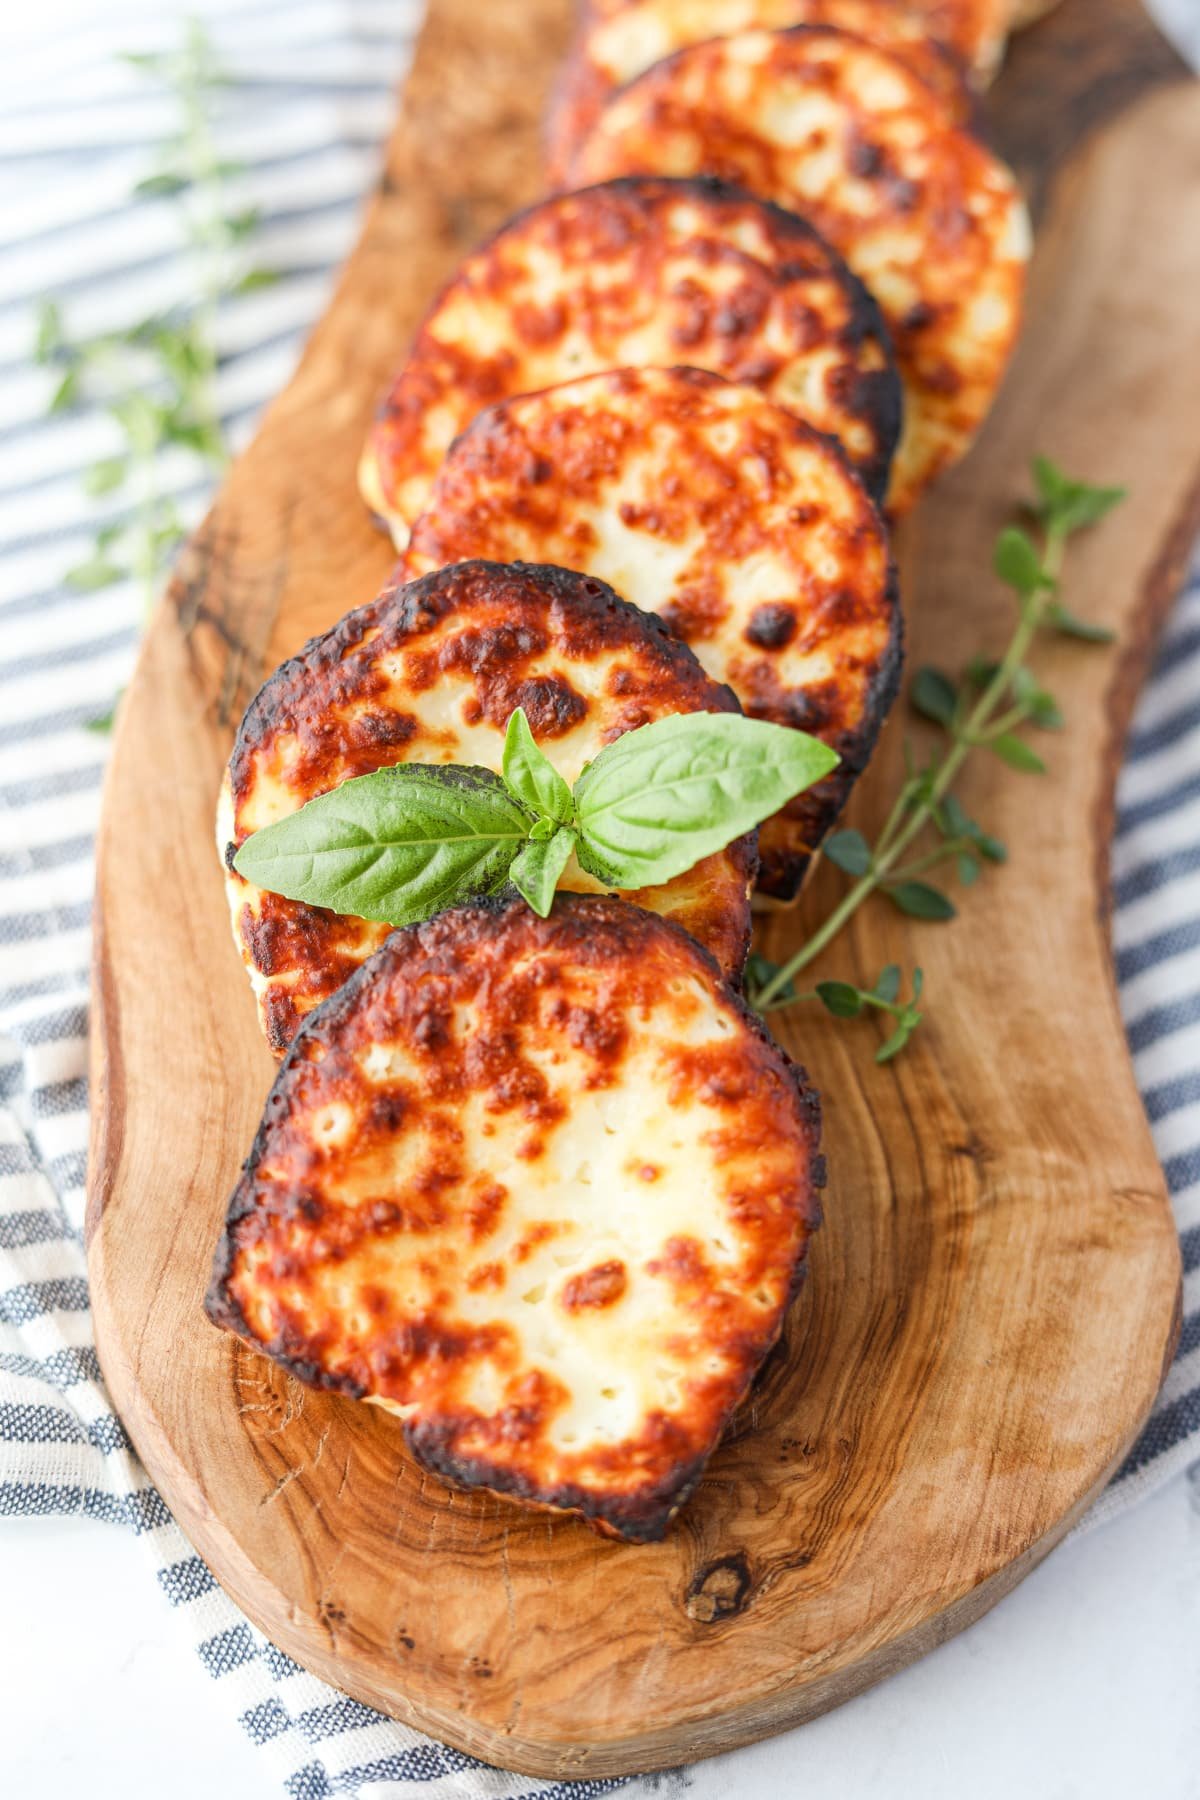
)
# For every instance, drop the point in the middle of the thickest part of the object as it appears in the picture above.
(156, 378)
(985, 709)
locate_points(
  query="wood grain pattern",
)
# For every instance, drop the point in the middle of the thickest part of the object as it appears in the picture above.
(993, 1297)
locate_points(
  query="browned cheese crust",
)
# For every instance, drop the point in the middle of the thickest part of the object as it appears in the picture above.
(638, 274)
(617, 40)
(847, 136)
(1023, 13)
(545, 1188)
(429, 672)
(698, 499)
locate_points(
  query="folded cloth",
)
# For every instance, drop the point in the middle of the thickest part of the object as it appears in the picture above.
(319, 99)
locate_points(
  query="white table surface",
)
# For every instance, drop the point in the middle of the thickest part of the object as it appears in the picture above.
(1083, 1685)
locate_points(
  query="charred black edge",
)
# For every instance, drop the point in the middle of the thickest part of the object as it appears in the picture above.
(646, 1518)
(410, 608)
(855, 748)
(865, 322)
(642, 1520)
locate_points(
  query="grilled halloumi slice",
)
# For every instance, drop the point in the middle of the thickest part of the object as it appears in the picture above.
(614, 44)
(636, 274)
(1023, 13)
(542, 1187)
(976, 30)
(430, 672)
(742, 527)
(845, 134)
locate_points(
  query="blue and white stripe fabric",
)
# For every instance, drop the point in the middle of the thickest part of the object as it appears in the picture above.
(77, 129)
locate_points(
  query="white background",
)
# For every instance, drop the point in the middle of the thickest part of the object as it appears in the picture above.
(1082, 1685)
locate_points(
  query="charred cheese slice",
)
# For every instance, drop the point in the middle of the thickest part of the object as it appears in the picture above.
(636, 274)
(845, 134)
(739, 525)
(614, 44)
(976, 30)
(543, 1188)
(1023, 13)
(430, 672)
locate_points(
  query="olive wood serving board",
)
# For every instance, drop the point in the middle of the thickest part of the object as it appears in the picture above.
(993, 1298)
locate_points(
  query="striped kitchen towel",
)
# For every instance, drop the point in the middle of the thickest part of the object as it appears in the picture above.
(77, 129)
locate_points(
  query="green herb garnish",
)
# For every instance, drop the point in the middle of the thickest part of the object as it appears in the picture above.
(984, 709)
(401, 844)
(155, 379)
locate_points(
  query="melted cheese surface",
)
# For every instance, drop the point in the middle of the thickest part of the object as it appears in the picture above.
(636, 274)
(740, 526)
(846, 136)
(544, 1188)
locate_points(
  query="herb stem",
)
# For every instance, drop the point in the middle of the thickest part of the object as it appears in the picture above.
(1016, 715)
(894, 818)
(922, 864)
(900, 830)
(156, 379)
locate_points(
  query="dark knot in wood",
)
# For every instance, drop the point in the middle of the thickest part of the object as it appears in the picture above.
(720, 1590)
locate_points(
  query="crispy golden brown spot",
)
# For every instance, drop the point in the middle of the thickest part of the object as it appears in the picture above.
(739, 525)
(616, 43)
(847, 136)
(976, 30)
(583, 1348)
(1023, 13)
(430, 672)
(643, 273)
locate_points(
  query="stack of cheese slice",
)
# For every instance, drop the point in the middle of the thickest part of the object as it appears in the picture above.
(544, 1188)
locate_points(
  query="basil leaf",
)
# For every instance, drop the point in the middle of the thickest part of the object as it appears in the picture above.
(536, 872)
(530, 776)
(394, 846)
(662, 797)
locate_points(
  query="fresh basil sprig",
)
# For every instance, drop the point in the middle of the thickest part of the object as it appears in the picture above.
(531, 777)
(400, 844)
